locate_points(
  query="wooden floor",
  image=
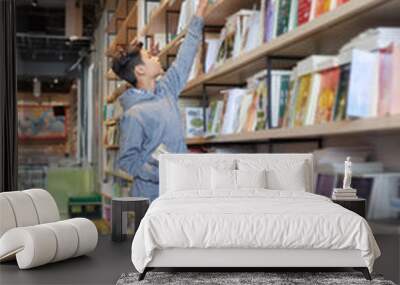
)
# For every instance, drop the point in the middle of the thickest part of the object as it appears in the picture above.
(103, 266)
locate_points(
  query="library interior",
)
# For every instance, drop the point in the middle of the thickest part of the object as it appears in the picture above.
(118, 119)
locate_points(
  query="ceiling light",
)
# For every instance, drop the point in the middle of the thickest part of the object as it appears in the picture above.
(34, 3)
(37, 87)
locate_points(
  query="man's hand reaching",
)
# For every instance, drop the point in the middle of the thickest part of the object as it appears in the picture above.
(202, 8)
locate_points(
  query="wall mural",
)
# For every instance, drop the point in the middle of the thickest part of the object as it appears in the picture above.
(40, 122)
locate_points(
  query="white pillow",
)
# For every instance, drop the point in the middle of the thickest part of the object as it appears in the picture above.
(251, 178)
(185, 178)
(282, 174)
(223, 179)
(295, 180)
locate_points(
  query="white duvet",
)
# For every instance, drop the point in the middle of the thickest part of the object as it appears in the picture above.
(251, 219)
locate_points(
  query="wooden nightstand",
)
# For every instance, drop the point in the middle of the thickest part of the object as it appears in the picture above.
(355, 205)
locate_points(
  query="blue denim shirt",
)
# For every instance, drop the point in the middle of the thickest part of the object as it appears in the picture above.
(153, 118)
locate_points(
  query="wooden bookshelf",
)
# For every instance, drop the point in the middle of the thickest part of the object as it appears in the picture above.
(350, 127)
(171, 48)
(128, 30)
(323, 35)
(111, 75)
(218, 12)
(156, 23)
(110, 5)
(215, 17)
(120, 174)
(112, 147)
(111, 122)
(118, 16)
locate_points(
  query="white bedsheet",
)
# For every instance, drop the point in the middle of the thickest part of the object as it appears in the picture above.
(251, 219)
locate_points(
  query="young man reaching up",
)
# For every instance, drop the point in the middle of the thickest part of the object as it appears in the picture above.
(151, 115)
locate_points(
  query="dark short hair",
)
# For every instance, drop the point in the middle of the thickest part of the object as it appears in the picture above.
(125, 60)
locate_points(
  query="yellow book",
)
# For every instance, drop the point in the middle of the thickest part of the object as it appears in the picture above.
(302, 99)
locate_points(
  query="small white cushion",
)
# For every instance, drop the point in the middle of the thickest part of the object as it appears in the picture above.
(187, 178)
(251, 179)
(223, 179)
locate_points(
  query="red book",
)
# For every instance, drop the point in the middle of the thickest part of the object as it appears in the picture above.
(389, 83)
(304, 11)
(340, 2)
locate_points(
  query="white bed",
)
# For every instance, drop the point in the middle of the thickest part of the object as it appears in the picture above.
(203, 220)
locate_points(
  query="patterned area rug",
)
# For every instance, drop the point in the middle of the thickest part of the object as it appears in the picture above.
(233, 278)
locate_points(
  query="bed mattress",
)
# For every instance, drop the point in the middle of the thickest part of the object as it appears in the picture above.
(253, 219)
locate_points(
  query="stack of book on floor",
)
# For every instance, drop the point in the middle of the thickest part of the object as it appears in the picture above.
(344, 194)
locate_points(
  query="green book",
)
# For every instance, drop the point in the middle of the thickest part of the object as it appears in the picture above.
(211, 118)
(339, 112)
(283, 98)
(283, 16)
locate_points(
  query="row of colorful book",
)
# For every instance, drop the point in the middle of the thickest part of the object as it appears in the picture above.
(248, 29)
(360, 82)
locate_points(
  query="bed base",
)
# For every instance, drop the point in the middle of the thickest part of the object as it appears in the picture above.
(242, 260)
(363, 270)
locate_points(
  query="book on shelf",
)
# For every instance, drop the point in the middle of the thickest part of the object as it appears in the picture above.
(279, 95)
(194, 122)
(327, 94)
(389, 83)
(184, 103)
(373, 39)
(244, 108)
(188, 9)
(215, 117)
(143, 18)
(197, 67)
(306, 11)
(340, 105)
(233, 102)
(286, 12)
(248, 29)
(112, 136)
(363, 85)
(212, 41)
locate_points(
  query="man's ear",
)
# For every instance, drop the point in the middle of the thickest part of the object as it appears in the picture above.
(139, 69)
